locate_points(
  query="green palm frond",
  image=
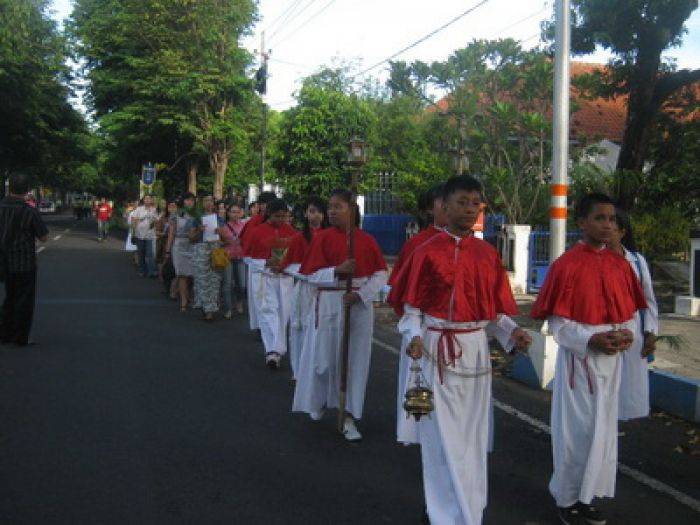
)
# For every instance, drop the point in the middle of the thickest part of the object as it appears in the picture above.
(674, 342)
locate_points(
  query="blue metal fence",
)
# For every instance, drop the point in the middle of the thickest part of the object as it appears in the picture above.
(388, 230)
(539, 257)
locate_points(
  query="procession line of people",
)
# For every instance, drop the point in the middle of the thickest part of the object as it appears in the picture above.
(452, 294)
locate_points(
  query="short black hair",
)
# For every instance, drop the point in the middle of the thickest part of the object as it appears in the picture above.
(428, 198)
(266, 197)
(623, 221)
(461, 183)
(275, 206)
(251, 204)
(586, 203)
(343, 194)
(19, 184)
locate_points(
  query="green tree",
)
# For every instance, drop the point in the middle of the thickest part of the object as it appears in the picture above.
(637, 32)
(167, 78)
(495, 123)
(40, 132)
(316, 132)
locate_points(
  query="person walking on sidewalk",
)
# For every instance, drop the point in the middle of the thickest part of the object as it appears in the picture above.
(104, 214)
(20, 227)
(143, 222)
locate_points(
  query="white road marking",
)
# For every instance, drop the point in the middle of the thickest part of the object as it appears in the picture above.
(385, 346)
(630, 472)
(40, 249)
(57, 237)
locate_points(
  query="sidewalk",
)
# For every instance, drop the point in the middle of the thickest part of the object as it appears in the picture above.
(684, 361)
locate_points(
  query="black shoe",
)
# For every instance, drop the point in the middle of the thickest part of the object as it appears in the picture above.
(571, 515)
(591, 514)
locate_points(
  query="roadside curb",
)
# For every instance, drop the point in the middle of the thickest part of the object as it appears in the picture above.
(677, 395)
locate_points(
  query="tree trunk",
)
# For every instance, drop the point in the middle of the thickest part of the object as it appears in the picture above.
(640, 112)
(218, 160)
(192, 177)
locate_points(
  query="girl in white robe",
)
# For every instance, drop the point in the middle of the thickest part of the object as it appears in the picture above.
(326, 267)
(634, 381)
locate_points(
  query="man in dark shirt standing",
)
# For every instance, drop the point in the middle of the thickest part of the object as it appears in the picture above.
(20, 227)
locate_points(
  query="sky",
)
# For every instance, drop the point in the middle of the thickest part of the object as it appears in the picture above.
(304, 35)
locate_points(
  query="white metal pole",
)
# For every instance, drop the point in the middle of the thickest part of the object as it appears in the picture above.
(560, 139)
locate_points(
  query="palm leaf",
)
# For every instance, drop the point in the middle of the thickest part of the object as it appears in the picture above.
(673, 342)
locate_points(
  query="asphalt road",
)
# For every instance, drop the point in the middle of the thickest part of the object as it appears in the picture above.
(128, 411)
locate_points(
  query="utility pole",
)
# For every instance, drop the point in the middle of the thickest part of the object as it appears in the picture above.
(261, 87)
(560, 138)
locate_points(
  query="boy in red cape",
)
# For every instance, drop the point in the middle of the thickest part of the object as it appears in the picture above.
(272, 289)
(451, 290)
(589, 297)
(407, 428)
(327, 267)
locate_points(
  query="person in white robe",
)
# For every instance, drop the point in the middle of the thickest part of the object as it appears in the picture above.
(318, 379)
(456, 438)
(634, 380)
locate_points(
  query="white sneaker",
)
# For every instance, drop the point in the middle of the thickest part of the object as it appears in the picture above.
(272, 360)
(317, 416)
(350, 430)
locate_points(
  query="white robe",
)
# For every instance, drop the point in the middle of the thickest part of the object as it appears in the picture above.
(302, 304)
(253, 284)
(584, 423)
(318, 376)
(634, 384)
(273, 300)
(455, 438)
(407, 427)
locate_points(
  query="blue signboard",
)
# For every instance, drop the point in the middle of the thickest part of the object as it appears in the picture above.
(148, 174)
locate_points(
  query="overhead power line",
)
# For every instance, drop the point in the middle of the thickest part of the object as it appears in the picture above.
(293, 16)
(292, 5)
(423, 39)
(306, 22)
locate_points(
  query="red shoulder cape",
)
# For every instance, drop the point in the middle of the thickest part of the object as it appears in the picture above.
(407, 250)
(298, 248)
(329, 248)
(590, 286)
(265, 237)
(249, 226)
(460, 282)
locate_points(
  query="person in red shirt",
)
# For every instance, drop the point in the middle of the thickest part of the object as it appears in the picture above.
(589, 298)
(104, 214)
(272, 288)
(327, 267)
(431, 205)
(451, 291)
(245, 236)
(315, 221)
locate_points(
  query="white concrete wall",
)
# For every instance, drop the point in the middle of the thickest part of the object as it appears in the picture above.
(520, 233)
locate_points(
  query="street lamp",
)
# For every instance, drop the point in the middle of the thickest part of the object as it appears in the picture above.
(357, 152)
(358, 155)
